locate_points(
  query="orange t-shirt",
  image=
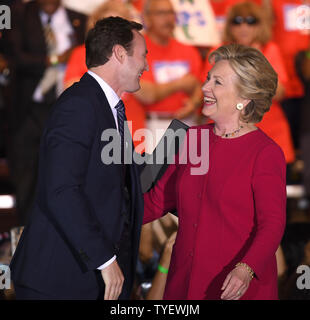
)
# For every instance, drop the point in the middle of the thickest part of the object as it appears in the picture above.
(274, 122)
(167, 63)
(138, 4)
(291, 39)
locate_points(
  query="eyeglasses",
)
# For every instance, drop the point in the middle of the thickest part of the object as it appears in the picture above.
(250, 20)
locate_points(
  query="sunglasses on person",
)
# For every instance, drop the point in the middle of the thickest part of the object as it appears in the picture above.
(250, 20)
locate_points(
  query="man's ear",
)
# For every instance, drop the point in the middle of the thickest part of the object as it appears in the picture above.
(119, 53)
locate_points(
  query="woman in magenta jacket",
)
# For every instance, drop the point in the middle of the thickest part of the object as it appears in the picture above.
(232, 211)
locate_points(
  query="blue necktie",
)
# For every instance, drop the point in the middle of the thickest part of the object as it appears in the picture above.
(121, 118)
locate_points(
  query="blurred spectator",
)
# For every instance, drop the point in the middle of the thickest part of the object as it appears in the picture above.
(296, 249)
(247, 24)
(154, 239)
(148, 258)
(157, 289)
(85, 7)
(303, 71)
(4, 79)
(171, 89)
(4, 82)
(88, 7)
(291, 33)
(138, 4)
(194, 20)
(221, 8)
(42, 39)
(76, 66)
(281, 264)
(282, 270)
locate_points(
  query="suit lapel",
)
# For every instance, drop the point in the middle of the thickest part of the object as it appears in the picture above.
(102, 100)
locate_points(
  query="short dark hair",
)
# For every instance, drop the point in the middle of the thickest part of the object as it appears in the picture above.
(107, 33)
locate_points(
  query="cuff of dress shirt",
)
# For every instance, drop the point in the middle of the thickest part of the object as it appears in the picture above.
(107, 263)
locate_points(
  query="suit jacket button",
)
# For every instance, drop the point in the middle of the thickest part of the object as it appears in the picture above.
(84, 256)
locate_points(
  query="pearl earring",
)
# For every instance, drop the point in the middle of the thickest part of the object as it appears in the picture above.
(239, 106)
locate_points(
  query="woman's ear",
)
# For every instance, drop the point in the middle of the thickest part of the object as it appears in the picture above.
(119, 53)
(246, 102)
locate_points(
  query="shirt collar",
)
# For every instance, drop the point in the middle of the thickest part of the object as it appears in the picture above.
(110, 94)
(58, 14)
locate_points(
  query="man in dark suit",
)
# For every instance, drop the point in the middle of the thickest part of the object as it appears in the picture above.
(82, 239)
(31, 56)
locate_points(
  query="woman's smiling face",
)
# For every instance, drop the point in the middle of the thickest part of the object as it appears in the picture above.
(220, 92)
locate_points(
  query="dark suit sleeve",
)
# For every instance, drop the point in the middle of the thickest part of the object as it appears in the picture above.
(67, 144)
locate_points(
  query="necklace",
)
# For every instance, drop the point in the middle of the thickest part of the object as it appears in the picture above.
(230, 134)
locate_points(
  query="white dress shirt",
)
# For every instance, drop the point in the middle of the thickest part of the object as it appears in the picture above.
(63, 31)
(113, 99)
(110, 94)
(61, 27)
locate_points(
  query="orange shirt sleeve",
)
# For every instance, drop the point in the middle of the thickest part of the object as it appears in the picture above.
(76, 65)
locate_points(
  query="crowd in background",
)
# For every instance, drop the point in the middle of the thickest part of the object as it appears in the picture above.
(36, 65)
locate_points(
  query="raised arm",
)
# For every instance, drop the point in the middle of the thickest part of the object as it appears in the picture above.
(153, 92)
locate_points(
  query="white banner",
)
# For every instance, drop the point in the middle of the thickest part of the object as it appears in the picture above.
(196, 24)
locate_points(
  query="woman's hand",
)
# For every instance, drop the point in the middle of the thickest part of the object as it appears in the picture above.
(236, 283)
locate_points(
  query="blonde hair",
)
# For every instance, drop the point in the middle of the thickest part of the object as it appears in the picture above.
(248, 9)
(104, 10)
(257, 80)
